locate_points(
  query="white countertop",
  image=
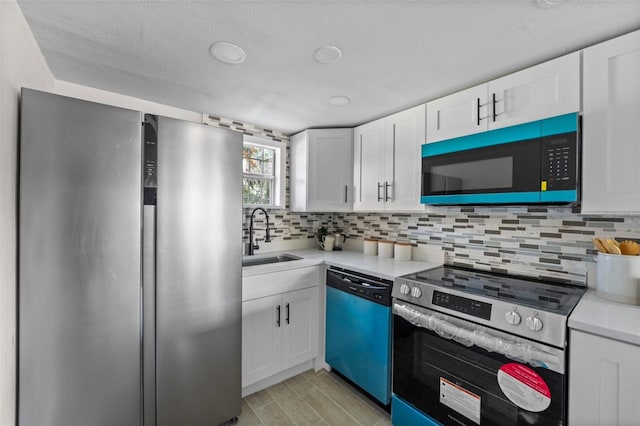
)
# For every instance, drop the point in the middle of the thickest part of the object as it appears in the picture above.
(388, 268)
(605, 318)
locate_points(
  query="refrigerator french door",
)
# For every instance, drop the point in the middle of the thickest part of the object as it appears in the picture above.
(129, 267)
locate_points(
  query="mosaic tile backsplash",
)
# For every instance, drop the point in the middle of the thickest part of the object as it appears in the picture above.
(548, 243)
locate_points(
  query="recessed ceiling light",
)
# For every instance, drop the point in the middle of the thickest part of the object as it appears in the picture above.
(228, 53)
(328, 54)
(339, 100)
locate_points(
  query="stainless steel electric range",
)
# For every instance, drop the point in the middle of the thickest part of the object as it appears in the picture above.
(473, 347)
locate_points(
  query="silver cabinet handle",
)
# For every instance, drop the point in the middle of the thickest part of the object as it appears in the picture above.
(386, 191)
(346, 188)
(379, 186)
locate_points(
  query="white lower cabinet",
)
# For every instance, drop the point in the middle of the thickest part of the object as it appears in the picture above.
(261, 339)
(604, 381)
(278, 332)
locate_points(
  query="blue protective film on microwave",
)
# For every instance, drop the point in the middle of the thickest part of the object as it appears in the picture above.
(560, 124)
(547, 127)
(520, 132)
(497, 198)
(566, 196)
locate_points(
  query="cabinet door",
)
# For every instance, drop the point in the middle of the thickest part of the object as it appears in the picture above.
(298, 172)
(261, 338)
(368, 173)
(300, 326)
(611, 125)
(546, 90)
(404, 136)
(462, 113)
(603, 381)
(330, 173)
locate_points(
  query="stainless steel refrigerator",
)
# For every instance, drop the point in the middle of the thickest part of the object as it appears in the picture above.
(129, 267)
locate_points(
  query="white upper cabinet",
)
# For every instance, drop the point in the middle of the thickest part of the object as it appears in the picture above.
(387, 162)
(368, 166)
(404, 136)
(611, 125)
(462, 113)
(542, 91)
(321, 170)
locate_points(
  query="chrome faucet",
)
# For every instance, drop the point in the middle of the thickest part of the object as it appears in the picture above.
(267, 238)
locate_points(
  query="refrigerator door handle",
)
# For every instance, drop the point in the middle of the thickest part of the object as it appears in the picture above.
(148, 315)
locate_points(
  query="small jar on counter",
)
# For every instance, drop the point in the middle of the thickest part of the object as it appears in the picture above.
(370, 247)
(385, 248)
(402, 251)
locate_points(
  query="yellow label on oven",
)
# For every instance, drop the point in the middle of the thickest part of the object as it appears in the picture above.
(543, 185)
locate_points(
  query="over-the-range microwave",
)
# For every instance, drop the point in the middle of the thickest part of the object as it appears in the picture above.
(531, 163)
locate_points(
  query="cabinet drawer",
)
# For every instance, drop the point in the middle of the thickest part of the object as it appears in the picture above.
(255, 286)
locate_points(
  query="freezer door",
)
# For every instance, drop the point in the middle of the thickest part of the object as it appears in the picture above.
(79, 263)
(198, 273)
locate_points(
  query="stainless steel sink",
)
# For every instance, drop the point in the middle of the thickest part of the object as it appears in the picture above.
(253, 261)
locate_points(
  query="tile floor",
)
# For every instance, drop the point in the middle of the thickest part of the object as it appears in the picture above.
(311, 398)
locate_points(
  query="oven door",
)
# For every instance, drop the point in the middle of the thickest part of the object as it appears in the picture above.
(458, 372)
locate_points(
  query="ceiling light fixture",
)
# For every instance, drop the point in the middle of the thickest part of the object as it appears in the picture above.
(339, 100)
(228, 53)
(328, 54)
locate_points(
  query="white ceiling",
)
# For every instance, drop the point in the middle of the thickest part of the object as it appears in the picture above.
(397, 54)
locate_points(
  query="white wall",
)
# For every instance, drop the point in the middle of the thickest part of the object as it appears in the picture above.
(22, 65)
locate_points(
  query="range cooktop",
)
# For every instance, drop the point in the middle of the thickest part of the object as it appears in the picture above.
(553, 297)
(517, 305)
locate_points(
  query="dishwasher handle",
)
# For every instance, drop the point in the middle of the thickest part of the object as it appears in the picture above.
(378, 291)
(353, 277)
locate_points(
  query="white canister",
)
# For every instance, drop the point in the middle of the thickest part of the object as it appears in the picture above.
(370, 247)
(618, 278)
(402, 251)
(385, 248)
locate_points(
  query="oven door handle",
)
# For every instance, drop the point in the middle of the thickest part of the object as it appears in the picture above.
(470, 334)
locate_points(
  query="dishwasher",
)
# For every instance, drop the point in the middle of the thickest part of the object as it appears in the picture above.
(358, 330)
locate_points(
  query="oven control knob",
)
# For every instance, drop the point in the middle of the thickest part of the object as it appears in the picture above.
(405, 289)
(416, 292)
(534, 323)
(512, 317)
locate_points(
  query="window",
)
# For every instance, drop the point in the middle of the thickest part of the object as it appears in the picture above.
(263, 171)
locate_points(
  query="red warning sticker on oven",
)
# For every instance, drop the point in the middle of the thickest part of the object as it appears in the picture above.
(524, 387)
